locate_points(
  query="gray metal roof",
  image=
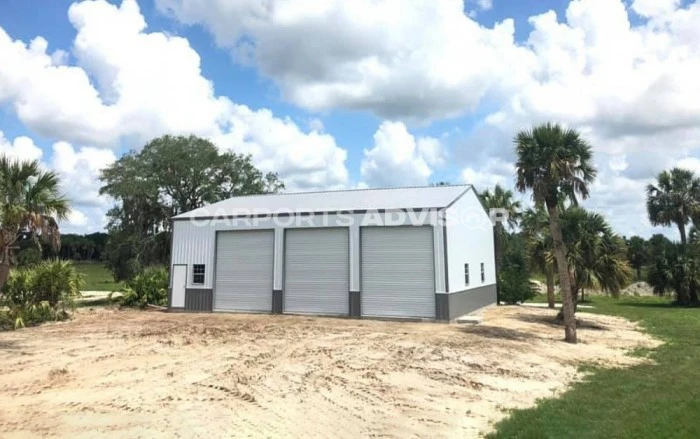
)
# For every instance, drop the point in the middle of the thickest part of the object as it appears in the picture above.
(332, 201)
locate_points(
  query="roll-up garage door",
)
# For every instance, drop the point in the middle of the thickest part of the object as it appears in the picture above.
(398, 274)
(316, 271)
(244, 270)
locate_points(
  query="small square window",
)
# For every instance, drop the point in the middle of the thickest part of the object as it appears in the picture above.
(198, 274)
(466, 274)
(483, 273)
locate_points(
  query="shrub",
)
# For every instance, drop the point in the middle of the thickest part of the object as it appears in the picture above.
(46, 292)
(57, 283)
(514, 283)
(28, 257)
(148, 287)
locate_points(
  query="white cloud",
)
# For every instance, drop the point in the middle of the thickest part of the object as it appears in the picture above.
(655, 8)
(423, 59)
(80, 170)
(304, 160)
(77, 219)
(489, 174)
(398, 158)
(21, 148)
(485, 5)
(146, 85)
(316, 124)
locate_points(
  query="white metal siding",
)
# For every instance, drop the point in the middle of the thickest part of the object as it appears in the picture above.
(398, 278)
(469, 241)
(194, 244)
(316, 271)
(244, 264)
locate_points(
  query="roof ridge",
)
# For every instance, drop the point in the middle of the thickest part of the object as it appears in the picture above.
(465, 185)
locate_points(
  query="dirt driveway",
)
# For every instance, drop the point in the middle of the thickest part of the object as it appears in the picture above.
(133, 374)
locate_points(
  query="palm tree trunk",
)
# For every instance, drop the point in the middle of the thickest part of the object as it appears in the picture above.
(549, 273)
(681, 229)
(4, 267)
(564, 279)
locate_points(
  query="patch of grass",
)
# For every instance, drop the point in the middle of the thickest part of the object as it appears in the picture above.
(97, 277)
(646, 401)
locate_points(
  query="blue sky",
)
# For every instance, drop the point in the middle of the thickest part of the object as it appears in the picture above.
(438, 95)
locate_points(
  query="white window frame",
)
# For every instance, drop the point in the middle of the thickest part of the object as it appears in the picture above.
(195, 274)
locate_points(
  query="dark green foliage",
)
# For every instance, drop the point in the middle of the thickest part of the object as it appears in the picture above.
(149, 287)
(637, 254)
(31, 208)
(28, 257)
(45, 292)
(514, 277)
(597, 257)
(674, 200)
(675, 268)
(171, 175)
(655, 399)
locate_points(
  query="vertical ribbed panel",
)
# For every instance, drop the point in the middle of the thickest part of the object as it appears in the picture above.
(279, 258)
(316, 271)
(354, 257)
(244, 269)
(198, 300)
(193, 243)
(398, 278)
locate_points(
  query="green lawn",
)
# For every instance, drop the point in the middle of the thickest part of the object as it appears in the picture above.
(660, 400)
(97, 277)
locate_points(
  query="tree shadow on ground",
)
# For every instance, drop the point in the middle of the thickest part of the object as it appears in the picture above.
(552, 323)
(497, 332)
(87, 303)
(664, 305)
(9, 345)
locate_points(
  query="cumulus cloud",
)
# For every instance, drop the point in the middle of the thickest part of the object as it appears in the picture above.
(79, 170)
(129, 85)
(304, 160)
(398, 158)
(146, 84)
(21, 148)
(493, 172)
(423, 59)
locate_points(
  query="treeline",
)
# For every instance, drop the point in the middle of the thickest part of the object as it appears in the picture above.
(90, 248)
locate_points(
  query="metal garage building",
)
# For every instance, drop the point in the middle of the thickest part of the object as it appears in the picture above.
(424, 253)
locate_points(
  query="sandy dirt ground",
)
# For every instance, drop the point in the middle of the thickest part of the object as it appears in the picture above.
(118, 374)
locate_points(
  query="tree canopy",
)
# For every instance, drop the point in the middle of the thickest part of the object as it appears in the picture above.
(171, 175)
(31, 205)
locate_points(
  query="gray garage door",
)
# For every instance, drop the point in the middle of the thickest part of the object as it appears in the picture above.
(244, 271)
(316, 271)
(398, 274)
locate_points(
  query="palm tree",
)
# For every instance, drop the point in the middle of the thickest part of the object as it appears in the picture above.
(674, 200)
(31, 205)
(503, 200)
(535, 227)
(556, 164)
(637, 254)
(597, 257)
